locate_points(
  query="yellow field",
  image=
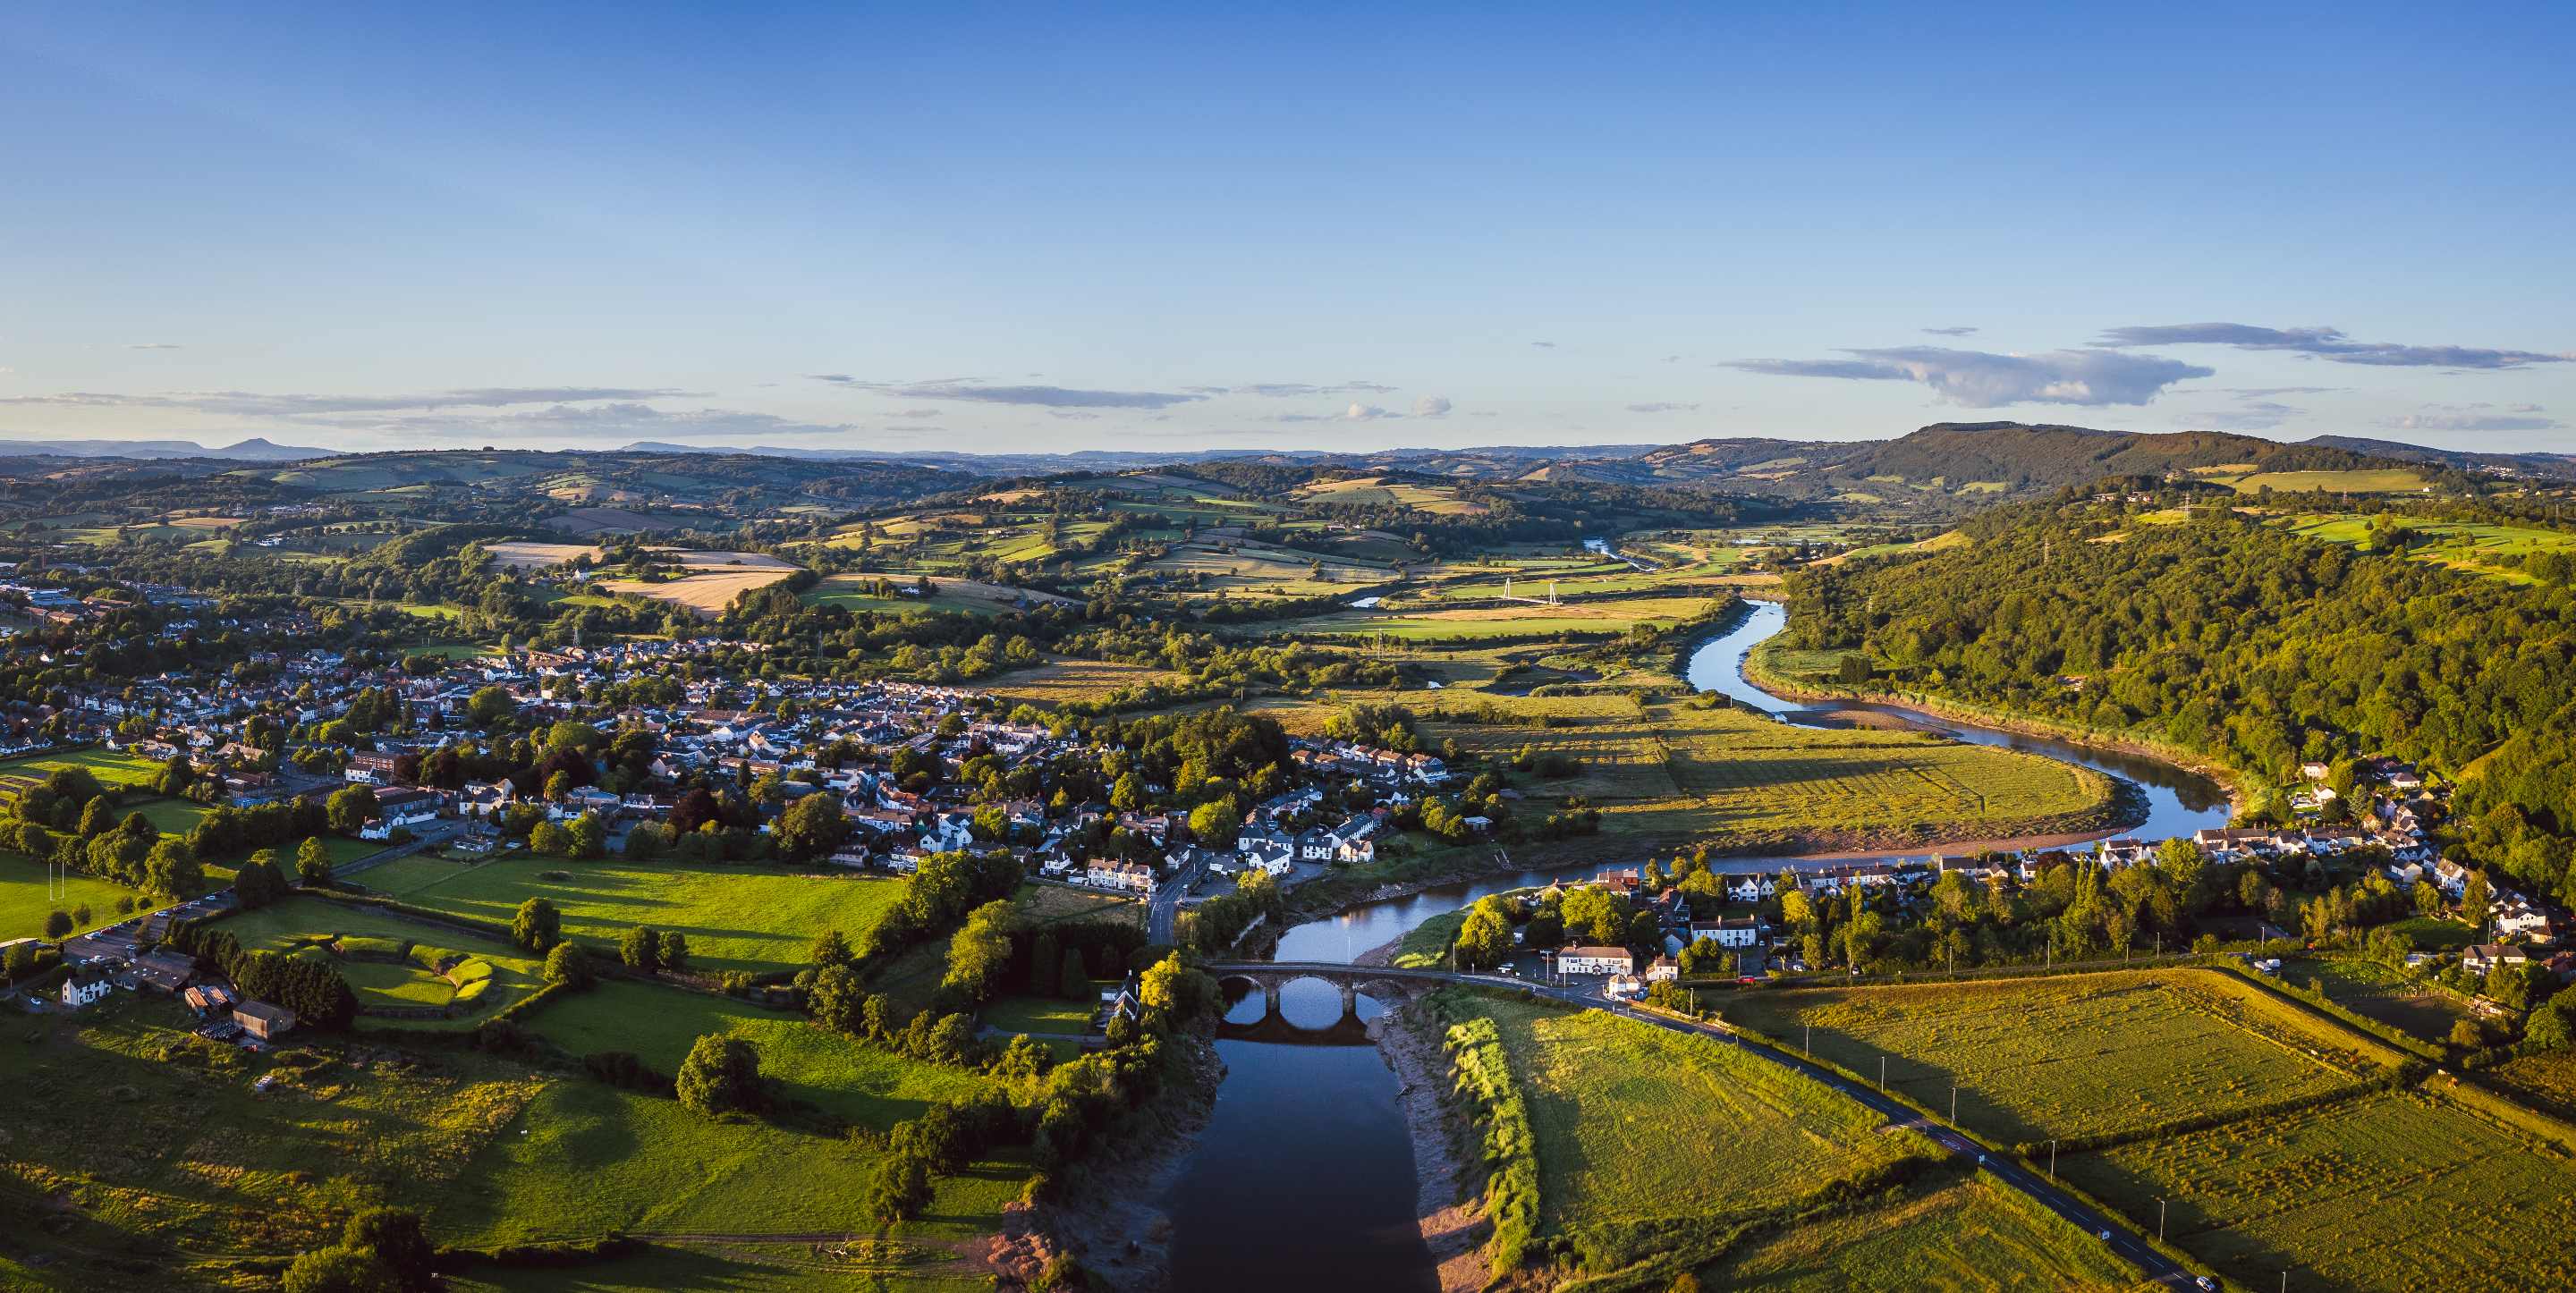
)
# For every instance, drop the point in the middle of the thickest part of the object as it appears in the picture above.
(537, 556)
(707, 594)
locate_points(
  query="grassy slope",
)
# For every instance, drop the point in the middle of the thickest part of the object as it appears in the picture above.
(282, 924)
(736, 918)
(1962, 1238)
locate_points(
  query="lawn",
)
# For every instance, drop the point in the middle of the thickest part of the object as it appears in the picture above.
(1054, 904)
(754, 919)
(299, 921)
(2389, 1190)
(24, 906)
(1967, 1237)
(855, 1081)
(1025, 1014)
(2074, 1055)
(1642, 1135)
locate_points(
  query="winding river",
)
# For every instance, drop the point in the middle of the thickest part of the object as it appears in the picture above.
(1303, 1178)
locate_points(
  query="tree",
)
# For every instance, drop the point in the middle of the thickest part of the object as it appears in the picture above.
(1171, 991)
(567, 963)
(675, 950)
(350, 808)
(1044, 963)
(395, 1239)
(838, 1000)
(980, 952)
(1072, 978)
(829, 949)
(1485, 939)
(900, 1189)
(641, 950)
(811, 827)
(2475, 900)
(58, 924)
(313, 863)
(720, 1076)
(490, 707)
(337, 1270)
(537, 926)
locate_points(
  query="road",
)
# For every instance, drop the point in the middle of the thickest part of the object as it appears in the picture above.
(2001, 1167)
(1164, 911)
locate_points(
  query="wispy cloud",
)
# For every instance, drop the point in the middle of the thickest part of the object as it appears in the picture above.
(1978, 379)
(1357, 412)
(1661, 407)
(2477, 417)
(1544, 345)
(1952, 332)
(2257, 408)
(1291, 390)
(1058, 397)
(586, 421)
(252, 404)
(2326, 343)
(918, 414)
(156, 345)
(1432, 406)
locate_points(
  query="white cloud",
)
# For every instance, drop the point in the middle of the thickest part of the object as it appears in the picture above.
(1980, 379)
(1431, 406)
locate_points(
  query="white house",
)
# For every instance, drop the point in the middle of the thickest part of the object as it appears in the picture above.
(1596, 960)
(85, 985)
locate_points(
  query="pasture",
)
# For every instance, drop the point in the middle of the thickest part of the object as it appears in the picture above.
(1509, 620)
(111, 767)
(2075, 1055)
(2381, 481)
(968, 596)
(2495, 551)
(849, 1078)
(1061, 682)
(705, 593)
(1608, 1100)
(2387, 1190)
(1967, 1237)
(1377, 491)
(754, 919)
(2377, 992)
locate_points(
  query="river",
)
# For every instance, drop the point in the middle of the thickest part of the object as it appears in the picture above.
(1304, 1178)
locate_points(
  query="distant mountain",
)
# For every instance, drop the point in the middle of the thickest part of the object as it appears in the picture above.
(251, 450)
(1492, 462)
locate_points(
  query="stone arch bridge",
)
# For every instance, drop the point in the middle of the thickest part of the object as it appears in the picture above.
(1376, 980)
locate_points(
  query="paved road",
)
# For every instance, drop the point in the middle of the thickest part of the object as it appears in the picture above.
(1164, 911)
(2124, 1242)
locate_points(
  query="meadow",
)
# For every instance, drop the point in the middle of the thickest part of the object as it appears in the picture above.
(2378, 481)
(754, 919)
(841, 1075)
(2491, 550)
(1605, 618)
(2388, 1190)
(2092, 1055)
(111, 767)
(1635, 1126)
(1062, 682)
(965, 596)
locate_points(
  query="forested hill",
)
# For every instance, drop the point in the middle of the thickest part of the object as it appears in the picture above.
(2230, 636)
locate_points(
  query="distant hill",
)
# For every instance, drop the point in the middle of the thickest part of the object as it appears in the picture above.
(2553, 466)
(251, 450)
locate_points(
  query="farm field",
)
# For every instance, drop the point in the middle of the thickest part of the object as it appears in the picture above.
(706, 592)
(296, 922)
(1605, 1095)
(1608, 617)
(752, 919)
(1968, 1237)
(1668, 770)
(2310, 1192)
(159, 1135)
(2546, 1081)
(1377, 491)
(2075, 1055)
(1050, 904)
(24, 906)
(2377, 992)
(848, 1078)
(2384, 481)
(2481, 549)
(1060, 682)
(968, 596)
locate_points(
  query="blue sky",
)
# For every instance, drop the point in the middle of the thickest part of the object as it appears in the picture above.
(1049, 227)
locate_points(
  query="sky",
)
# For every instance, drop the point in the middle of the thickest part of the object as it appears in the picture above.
(1049, 228)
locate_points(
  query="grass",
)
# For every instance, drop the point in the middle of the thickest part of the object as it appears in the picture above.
(158, 1139)
(2384, 481)
(109, 766)
(851, 1080)
(296, 921)
(24, 906)
(1025, 1014)
(1637, 1130)
(1059, 682)
(1051, 904)
(2377, 992)
(2389, 1190)
(1608, 617)
(753, 919)
(2491, 550)
(2070, 1056)
(585, 1158)
(1966, 1237)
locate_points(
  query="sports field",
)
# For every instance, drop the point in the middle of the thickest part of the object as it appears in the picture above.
(109, 766)
(24, 904)
(754, 919)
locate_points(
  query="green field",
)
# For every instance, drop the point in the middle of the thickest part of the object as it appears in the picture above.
(24, 906)
(752, 919)
(110, 767)
(1648, 1141)
(852, 1080)
(299, 921)
(1043, 1014)
(1969, 1237)
(2390, 1190)
(2077, 1055)
(2381, 481)
(1605, 618)
(2491, 550)
(2377, 992)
